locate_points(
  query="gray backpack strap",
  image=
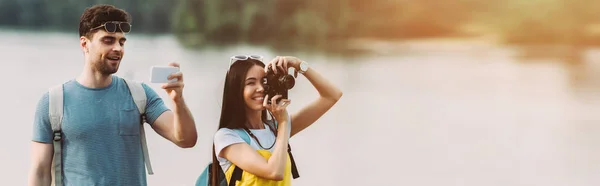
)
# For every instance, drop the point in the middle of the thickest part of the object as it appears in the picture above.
(55, 110)
(139, 97)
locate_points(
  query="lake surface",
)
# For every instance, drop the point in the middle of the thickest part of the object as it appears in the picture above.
(412, 114)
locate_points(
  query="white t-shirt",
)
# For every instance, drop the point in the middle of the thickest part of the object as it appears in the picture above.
(225, 137)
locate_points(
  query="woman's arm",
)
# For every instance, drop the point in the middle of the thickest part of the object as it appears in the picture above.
(329, 94)
(243, 156)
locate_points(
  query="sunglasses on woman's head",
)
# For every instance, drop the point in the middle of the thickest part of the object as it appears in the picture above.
(235, 58)
(112, 26)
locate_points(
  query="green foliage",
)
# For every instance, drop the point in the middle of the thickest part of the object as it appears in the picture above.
(318, 24)
(314, 23)
(150, 16)
(548, 21)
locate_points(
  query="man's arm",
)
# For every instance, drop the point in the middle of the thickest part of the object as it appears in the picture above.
(42, 149)
(41, 164)
(178, 125)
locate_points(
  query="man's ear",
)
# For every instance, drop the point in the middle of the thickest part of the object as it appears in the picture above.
(83, 41)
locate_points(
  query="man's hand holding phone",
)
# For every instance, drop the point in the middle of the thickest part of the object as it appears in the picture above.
(172, 79)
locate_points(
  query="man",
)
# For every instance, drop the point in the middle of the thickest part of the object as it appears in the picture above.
(100, 127)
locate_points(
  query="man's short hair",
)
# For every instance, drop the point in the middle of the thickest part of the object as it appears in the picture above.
(97, 15)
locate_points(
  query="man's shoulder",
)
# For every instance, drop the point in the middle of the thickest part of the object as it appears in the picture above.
(43, 104)
(145, 86)
(66, 86)
(45, 96)
(44, 101)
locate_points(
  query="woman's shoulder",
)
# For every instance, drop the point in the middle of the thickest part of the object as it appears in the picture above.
(225, 137)
(227, 134)
(224, 132)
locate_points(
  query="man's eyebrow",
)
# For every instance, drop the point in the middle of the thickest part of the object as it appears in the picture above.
(108, 37)
(123, 39)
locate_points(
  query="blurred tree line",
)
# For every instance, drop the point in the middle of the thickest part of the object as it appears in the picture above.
(317, 23)
(570, 22)
(149, 16)
(327, 22)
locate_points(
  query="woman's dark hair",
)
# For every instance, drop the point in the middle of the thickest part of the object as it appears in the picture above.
(233, 110)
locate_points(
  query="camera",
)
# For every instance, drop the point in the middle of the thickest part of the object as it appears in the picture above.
(278, 84)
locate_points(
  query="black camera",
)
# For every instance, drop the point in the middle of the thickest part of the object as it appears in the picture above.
(278, 84)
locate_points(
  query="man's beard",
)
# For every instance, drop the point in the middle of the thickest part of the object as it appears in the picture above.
(105, 68)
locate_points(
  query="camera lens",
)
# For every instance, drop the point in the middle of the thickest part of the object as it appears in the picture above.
(287, 81)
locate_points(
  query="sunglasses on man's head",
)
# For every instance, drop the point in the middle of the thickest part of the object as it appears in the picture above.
(235, 58)
(112, 26)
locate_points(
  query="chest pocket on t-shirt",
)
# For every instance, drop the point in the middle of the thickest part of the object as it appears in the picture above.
(129, 121)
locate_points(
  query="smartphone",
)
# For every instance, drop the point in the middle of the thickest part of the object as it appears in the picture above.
(160, 74)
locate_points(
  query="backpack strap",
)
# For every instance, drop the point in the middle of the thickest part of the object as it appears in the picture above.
(243, 134)
(235, 176)
(237, 171)
(204, 178)
(139, 97)
(55, 111)
(295, 173)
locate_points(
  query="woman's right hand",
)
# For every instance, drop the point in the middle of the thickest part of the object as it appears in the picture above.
(279, 109)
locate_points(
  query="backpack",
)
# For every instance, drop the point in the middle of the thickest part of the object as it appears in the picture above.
(204, 178)
(56, 115)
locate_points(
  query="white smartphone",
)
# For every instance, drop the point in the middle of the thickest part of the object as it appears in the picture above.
(160, 74)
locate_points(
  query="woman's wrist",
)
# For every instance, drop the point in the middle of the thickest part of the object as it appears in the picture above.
(296, 63)
(282, 121)
(302, 67)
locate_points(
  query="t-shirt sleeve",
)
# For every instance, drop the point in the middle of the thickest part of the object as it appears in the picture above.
(42, 131)
(225, 137)
(154, 104)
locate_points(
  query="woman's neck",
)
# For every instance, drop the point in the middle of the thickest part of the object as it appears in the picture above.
(254, 120)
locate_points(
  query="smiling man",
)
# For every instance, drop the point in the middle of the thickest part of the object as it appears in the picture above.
(100, 135)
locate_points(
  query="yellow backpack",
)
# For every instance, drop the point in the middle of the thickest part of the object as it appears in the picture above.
(243, 178)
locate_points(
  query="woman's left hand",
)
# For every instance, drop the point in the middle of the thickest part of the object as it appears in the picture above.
(282, 63)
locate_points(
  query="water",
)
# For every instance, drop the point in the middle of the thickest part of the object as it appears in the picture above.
(413, 115)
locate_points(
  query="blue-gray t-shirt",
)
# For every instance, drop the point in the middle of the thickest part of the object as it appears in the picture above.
(101, 133)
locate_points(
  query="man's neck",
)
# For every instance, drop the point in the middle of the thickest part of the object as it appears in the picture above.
(93, 79)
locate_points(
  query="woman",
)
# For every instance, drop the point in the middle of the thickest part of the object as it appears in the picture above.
(265, 160)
